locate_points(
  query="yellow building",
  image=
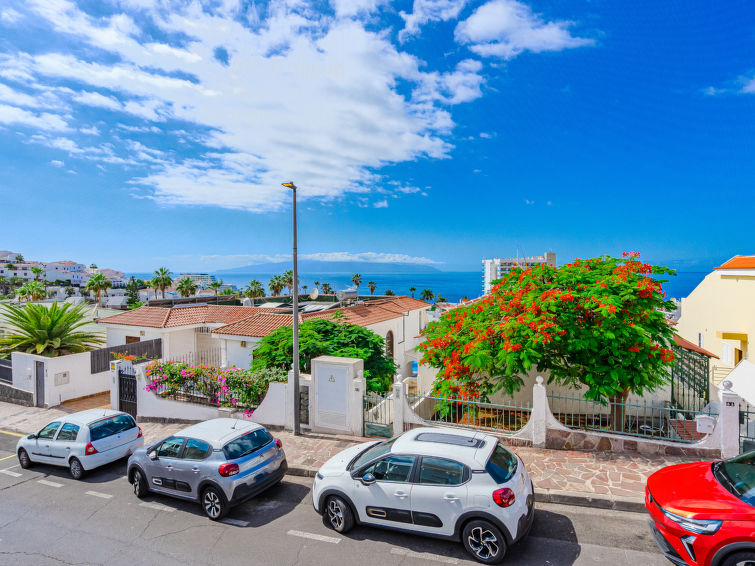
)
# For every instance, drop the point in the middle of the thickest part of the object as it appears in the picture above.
(719, 315)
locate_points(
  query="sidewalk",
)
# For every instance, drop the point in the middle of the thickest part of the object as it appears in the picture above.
(594, 479)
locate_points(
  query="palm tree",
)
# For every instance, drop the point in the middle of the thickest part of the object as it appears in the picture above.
(4, 284)
(356, 279)
(163, 279)
(69, 290)
(215, 286)
(96, 284)
(440, 299)
(19, 258)
(464, 298)
(317, 284)
(288, 281)
(10, 266)
(372, 285)
(16, 281)
(254, 290)
(327, 289)
(412, 290)
(304, 288)
(427, 295)
(186, 287)
(93, 266)
(389, 293)
(22, 293)
(34, 290)
(37, 271)
(47, 330)
(276, 285)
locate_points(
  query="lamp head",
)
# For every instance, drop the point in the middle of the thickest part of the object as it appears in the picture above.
(289, 185)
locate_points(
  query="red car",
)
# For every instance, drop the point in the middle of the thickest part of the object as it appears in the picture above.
(704, 513)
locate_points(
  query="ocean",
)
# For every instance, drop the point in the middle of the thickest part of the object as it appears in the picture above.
(451, 285)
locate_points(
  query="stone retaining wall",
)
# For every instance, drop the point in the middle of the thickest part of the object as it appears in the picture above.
(12, 394)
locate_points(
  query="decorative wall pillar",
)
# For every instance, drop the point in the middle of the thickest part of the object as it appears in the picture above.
(728, 420)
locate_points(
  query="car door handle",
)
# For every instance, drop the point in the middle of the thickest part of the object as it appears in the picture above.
(168, 467)
(195, 470)
(449, 497)
(401, 494)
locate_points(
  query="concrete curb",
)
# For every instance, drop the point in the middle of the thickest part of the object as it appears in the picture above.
(594, 500)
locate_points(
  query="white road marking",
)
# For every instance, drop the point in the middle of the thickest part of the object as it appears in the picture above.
(11, 467)
(11, 474)
(235, 522)
(50, 483)
(98, 494)
(424, 556)
(157, 507)
(313, 536)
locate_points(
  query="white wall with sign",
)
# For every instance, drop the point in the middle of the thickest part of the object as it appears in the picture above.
(337, 393)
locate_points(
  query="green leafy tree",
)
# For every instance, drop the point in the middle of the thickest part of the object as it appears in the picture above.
(162, 280)
(288, 281)
(412, 291)
(427, 295)
(215, 286)
(132, 292)
(69, 290)
(389, 293)
(37, 271)
(324, 337)
(10, 265)
(254, 290)
(20, 258)
(186, 287)
(327, 289)
(598, 323)
(4, 284)
(93, 266)
(372, 286)
(53, 330)
(356, 279)
(97, 284)
(226, 292)
(440, 299)
(33, 290)
(276, 285)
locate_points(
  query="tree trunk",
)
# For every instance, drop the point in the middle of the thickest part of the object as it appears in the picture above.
(618, 410)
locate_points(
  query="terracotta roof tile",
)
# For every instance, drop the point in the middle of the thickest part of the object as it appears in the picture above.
(159, 317)
(739, 262)
(687, 345)
(256, 326)
(153, 317)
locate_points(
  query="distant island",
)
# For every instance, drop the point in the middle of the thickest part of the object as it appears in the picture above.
(310, 266)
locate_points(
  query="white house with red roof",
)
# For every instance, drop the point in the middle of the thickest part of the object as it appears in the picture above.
(235, 330)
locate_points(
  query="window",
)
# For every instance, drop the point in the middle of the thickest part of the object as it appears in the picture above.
(49, 430)
(389, 344)
(727, 354)
(171, 447)
(391, 468)
(69, 432)
(502, 464)
(110, 426)
(132, 339)
(246, 444)
(374, 451)
(196, 449)
(439, 471)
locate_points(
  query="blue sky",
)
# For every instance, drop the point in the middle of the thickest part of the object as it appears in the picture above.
(136, 134)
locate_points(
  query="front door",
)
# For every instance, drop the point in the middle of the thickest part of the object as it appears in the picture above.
(188, 473)
(61, 447)
(39, 372)
(440, 495)
(388, 500)
(43, 445)
(161, 475)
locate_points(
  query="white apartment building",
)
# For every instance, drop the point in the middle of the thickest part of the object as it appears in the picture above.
(496, 268)
(202, 280)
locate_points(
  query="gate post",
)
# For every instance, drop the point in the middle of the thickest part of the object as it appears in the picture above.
(115, 367)
(729, 421)
(399, 390)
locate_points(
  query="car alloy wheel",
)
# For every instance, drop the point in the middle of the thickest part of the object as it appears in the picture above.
(140, 487)
(483, 543)
(335, 514)
(213, 505)
(77, 471)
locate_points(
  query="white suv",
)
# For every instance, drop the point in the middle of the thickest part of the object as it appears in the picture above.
(440, 482)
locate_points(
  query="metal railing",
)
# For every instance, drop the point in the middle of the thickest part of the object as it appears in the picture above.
(507, 417)
(201, 391)
(719, 373)
(746, 427)
(632, 419)
(213, 357)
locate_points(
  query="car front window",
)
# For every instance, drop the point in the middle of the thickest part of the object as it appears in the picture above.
(737, 475)
(374, 451)
(49, 430)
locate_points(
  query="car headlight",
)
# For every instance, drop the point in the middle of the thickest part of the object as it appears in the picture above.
(699, 526)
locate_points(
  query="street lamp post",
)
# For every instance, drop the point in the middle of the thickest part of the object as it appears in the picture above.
(297, 402)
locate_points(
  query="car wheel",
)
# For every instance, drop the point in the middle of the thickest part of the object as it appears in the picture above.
(140, 483)
(214, 504)
(740, 559)
(484, 541)
(23, 459)
(76, 469)
(338, 514)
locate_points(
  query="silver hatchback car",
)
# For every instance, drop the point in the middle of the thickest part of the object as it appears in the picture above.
(218, 463)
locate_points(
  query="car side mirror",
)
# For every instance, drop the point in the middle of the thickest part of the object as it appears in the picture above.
(152, 455)
(32, 437)
(368, 479)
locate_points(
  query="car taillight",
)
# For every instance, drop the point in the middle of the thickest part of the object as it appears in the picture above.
(229, 469)
(504, 497)
(89, 450)
(278, 443)
(140, 432)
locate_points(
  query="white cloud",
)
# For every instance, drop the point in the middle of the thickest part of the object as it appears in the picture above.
(486, 135)
(749, 85)
(57, 163)
(221, 261)
(17, 98)
(99, 100)
(91, 131)
(371, 257)
(381, 204)
(10, 16)
(424, 11)
(350, 8)
(43, 121)
(506, 28)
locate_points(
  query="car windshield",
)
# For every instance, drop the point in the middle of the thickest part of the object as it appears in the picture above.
(502, 464)
(246, 444)
(738, 476)
(374, 451)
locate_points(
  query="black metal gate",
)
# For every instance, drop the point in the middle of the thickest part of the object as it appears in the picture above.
(690, 388)
(127, 392)
(377, 414)
(746, 427)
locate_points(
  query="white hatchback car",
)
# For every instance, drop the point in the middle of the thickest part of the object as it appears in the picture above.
(82, 441)
(449, 483)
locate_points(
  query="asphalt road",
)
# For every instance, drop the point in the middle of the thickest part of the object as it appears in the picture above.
(48, 518)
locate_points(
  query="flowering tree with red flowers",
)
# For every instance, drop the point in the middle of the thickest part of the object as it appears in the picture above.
(599, 323)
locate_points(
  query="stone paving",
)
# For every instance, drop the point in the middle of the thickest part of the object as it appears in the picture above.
(599, 478)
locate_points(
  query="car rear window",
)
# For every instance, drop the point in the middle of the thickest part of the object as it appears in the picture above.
(110, 426)
(502, 464)
(246, 444)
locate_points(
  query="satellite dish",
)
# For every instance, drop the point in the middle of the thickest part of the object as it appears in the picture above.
(314, 294)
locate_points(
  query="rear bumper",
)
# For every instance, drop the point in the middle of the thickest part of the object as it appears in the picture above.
(525, 521)
(247, 491)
